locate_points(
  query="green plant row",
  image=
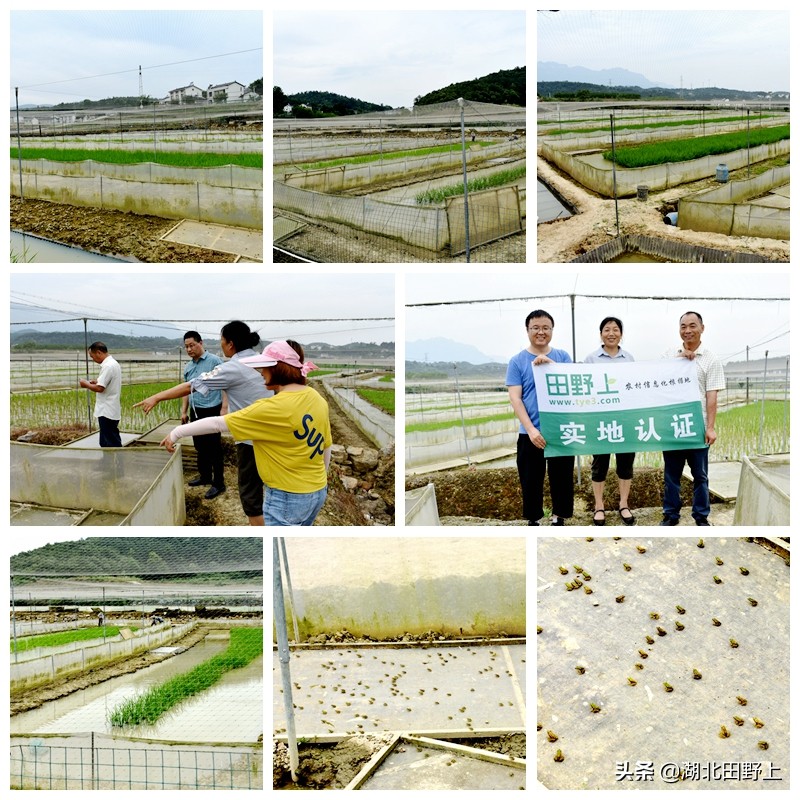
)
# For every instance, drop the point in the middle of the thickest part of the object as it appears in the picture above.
(474, 185)
(246, 645)
(645, 155)
(452, 423)
(64, 637)
(382, 398)
(169, 158)
(68, 407)
(387, 156)
(619, 126)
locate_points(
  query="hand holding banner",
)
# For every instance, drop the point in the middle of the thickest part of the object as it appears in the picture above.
(619, 408)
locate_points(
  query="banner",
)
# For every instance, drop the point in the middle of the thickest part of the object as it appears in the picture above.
(619, 408)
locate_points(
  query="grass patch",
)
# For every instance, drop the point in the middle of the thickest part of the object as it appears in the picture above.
(386, 379)
(452, 423)
(644, 155)
(381, 398)
(64, 637)
(169, 158)
(621, 125)
(474, 185)
(394, 154)
(246, 645)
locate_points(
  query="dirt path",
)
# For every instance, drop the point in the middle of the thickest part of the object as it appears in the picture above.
(113, 233)
(562, 240)
(33, 698)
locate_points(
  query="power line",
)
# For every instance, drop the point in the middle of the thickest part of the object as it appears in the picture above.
(591, 297)
(136, 69)
(204, 321)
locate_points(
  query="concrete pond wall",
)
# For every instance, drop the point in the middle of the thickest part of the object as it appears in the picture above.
(197, 201)
(142, 486)
(389, 586)
(424, 448)
(421, 508)
(763, 496)
(726, 209)
(659, 176)
(62, 662)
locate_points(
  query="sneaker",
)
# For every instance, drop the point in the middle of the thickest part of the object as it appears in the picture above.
(668, 521)
(557, 521)
(702, 522)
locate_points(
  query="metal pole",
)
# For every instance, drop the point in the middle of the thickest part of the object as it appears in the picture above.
(763, 391)
(289, 588)
(747, 377)
(464, 166)
(748, 142)
(19, 143)
(279, 612)
(785, 405)
(461, 411)
(14, 620)
(86, 361)
(614, 171)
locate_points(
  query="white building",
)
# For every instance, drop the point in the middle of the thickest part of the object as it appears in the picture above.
(226, 92)
(180, 94)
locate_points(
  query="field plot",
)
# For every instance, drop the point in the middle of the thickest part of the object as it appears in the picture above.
(159, 686)
(668, 159)
(203, 174)
(372, 177)
(690, 671)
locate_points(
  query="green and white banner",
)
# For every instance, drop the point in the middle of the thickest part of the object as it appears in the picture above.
(619, 408)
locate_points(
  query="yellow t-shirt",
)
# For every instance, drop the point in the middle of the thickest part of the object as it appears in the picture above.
(290, 431)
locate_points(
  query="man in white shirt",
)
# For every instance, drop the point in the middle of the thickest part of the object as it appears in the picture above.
(107, 387)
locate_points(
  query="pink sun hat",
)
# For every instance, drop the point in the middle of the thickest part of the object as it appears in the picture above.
(279, 351)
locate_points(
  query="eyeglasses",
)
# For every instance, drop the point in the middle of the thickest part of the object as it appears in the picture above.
(542, 329)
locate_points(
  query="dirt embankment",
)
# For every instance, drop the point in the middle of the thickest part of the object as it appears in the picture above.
(112, 233)
(595, 224)
(492, 497)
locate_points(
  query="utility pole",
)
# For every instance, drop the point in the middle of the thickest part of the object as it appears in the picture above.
(464, 165)
(141, 88)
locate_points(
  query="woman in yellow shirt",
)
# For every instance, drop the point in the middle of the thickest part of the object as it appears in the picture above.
(290, 431)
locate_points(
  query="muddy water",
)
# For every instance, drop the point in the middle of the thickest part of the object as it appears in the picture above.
(37, 250)
(230, 711)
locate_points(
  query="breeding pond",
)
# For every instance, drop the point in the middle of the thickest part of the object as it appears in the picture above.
(35, 249)
(548, 206)
(230, 711)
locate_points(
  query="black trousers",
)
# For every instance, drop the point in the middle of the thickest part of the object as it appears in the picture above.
(532, 466)
(109, 432)
(209, 449)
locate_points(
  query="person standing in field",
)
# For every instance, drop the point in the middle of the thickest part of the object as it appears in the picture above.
(531, 463)
(209, 447)
(710, 379)
(610, 352)
(107, 387)
(243, 387)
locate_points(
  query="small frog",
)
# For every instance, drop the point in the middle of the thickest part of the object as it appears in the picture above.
(559, 756)
(551, 737)
(667, 687)
(762, 745)
(715, 622)
(696, 674)
(620, 598)
(734, 643)
(626, 567)
(679, 625)
(681, 609)
(724, 733)
(744, 570)
(738, 720)
(631, 682)
(717, 579)
(752, 601)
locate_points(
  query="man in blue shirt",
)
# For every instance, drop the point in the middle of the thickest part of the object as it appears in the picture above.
(197, 406)
(531, 463)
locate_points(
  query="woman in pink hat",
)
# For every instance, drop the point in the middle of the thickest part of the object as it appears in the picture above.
(290, 431)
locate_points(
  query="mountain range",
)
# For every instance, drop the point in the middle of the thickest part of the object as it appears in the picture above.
(440, 349)
(616, 76)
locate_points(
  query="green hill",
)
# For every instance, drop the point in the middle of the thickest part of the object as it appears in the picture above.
(506, 87)
(144, 556)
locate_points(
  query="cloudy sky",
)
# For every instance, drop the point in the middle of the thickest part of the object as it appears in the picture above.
(727, 48)
(650, 326)
(66, 56)
(188, 300)
(390, 57)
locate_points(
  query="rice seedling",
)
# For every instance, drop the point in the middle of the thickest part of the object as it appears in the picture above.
(246, 645)
(382, 398)
(475, 185)
(65, 637)
(697, 147)
(169, 157)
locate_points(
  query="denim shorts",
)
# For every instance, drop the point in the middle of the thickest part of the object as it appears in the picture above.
(291, 508)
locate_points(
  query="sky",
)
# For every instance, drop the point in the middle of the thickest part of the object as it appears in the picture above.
(390, 57)
(188, 300)
(650, 326)
(730, 49)
(66, 49)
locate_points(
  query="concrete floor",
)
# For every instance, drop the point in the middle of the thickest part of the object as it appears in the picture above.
(643, 722)
(430, 690)
(242, 242)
